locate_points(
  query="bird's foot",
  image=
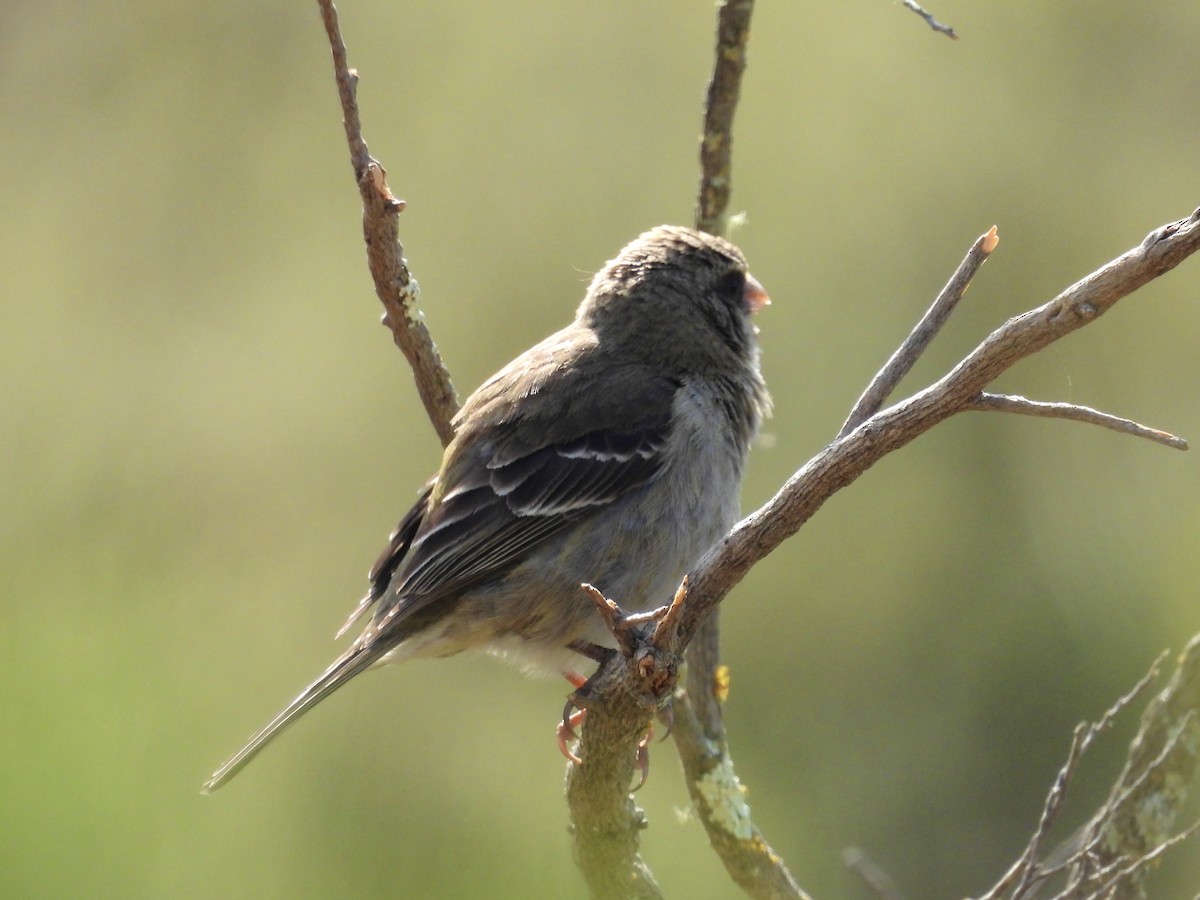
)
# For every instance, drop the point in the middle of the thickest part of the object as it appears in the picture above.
(575, 710)
(574, 714)
(566, 735)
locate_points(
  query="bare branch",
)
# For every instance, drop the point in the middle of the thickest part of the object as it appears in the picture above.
(718, 799)
(1132, 873)
(1014, 403)
(394, 284)
(930, 20)
(1132, 828)
(906, 356)
(716, 145)
(606, 833)
(844, 460)
(1027, 872)
(1149, 794)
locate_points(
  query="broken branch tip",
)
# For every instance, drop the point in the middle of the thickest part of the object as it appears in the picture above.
(990, 240)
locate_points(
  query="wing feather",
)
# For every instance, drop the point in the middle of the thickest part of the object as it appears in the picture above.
(505, 494)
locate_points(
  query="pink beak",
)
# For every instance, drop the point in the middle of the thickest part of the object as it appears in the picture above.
(756, 294)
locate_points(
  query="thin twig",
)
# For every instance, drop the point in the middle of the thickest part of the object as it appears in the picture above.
(930, 20)
(724, 88)
(914, 345)
(1014, 403)
(394, 284)
(1162, 763)
(1134, 869)
(347, 84)
(1027, 872)
(668, 622)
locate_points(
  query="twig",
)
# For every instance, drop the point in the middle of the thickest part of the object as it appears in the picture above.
(724, 88)
(844, 460)
(1027, 872)
(1133, 826)
(395, 286)
(930, 20)
(1162, 763)
(1014, 403)
(914, 345)
(1122, 875)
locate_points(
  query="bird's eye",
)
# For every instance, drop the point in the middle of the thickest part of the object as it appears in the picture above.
(732, 285)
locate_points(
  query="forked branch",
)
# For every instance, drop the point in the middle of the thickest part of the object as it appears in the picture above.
(848, 457)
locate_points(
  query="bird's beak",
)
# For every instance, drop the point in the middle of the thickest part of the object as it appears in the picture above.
(755, 294)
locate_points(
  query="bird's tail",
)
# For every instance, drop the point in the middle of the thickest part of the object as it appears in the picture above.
(355, 660)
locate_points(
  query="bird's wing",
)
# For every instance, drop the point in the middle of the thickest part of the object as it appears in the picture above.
(500, 498)
(529, 477)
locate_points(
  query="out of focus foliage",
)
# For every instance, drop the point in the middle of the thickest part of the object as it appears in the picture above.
(206, 436)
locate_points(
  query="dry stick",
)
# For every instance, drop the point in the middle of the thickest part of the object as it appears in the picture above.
(724, 88)
(930, 20)
(394, 284)
(1014, 403)
(1162, 762)
(907, 354)
(844, 460)
(1025, 873)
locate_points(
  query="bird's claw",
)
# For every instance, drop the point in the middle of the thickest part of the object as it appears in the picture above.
(566, 734)
(643, 757)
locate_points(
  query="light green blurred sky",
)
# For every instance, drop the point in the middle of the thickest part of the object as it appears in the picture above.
(207, 436)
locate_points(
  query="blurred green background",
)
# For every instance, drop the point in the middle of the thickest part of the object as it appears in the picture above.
(207, 436)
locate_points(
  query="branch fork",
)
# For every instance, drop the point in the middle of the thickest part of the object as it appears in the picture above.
(646, 644)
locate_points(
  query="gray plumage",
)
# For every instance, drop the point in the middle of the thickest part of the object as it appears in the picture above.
(611, 452)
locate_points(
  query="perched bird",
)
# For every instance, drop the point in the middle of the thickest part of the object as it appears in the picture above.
(610, 453)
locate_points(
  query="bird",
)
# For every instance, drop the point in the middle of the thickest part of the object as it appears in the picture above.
(610, 453)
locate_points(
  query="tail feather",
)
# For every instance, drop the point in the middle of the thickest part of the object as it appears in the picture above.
(363, 605)
(349, 664)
